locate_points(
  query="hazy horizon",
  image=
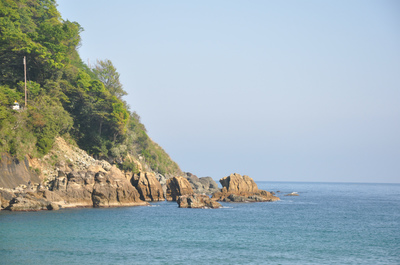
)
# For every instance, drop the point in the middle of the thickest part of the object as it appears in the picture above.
(304, 91)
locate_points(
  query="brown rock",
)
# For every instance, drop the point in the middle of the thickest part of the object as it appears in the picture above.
(237, 188)
(75, 188)
(237, 183)
(197, 201)
(178, 186)
(148, 186)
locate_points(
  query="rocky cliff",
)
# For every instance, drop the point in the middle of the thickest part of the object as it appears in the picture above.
(68, 177)
(15, 172)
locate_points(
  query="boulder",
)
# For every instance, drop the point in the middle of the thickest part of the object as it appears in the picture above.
(148, 186)
(197, 201)
(177, 186)
(237, 183)
(111, 191)
(237, 188)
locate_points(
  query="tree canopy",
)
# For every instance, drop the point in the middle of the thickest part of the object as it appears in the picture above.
(65, 97)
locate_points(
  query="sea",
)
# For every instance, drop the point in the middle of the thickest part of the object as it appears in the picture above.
(328, 223)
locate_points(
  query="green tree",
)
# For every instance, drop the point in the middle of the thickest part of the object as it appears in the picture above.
(108, 75)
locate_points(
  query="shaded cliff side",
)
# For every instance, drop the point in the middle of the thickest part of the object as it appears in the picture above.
(14, 172)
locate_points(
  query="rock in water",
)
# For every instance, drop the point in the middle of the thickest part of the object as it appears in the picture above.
(148, 186)
(178, 186)
(236, 183)
(197, 201)
(237, 188)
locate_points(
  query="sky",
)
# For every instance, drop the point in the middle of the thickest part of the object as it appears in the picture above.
(276, 90)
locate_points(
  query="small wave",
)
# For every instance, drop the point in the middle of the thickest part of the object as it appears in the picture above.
(153, 205)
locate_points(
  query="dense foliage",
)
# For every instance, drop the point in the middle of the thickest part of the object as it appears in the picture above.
(65, 97)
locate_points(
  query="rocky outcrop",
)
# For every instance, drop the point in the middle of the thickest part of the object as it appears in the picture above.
(236, 183)
(110, 191)
(237, 188)
(204, 185)
(14, 172)
(178, 186)
(197, 201)
(94, 189)
(75, 188)
(148, 187)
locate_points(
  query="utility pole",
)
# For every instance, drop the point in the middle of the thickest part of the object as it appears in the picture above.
(25, 78)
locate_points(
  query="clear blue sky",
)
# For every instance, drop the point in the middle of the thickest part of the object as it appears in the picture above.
(277, 90)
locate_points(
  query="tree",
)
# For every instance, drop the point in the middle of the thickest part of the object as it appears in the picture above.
(108, 75)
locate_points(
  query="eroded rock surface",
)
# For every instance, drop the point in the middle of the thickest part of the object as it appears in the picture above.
(148, 187)
(177, 186)
(112, 191)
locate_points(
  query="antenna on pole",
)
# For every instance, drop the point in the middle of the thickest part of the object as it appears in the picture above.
(25, 78)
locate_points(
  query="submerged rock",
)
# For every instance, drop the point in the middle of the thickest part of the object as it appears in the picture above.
(178, 186)
(292, 194)
(197, 201)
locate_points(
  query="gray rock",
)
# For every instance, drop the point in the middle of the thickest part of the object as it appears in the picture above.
(204, 185)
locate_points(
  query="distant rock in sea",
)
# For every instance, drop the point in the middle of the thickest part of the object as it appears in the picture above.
(237, 188)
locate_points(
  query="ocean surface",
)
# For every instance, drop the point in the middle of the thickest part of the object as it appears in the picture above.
(328, 223)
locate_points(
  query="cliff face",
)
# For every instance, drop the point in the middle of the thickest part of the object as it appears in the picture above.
(68, 177)
(14, 172)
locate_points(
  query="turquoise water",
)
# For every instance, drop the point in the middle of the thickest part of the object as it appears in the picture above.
(326, 224)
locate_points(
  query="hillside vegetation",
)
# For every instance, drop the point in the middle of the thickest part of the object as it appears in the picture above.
(65, 97)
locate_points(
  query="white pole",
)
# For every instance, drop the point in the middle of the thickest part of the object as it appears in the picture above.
(25, 77)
